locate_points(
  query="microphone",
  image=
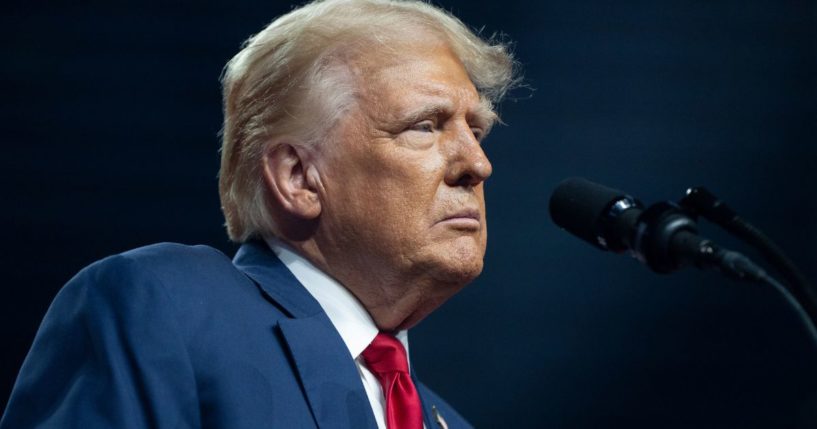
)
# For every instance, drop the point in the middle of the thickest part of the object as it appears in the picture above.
(663, 236)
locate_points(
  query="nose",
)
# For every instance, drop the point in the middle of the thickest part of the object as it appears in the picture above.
(468, 164)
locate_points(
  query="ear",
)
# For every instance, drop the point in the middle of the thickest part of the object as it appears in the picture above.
(285, 173)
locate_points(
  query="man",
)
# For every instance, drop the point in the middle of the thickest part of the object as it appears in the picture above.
(352, 172)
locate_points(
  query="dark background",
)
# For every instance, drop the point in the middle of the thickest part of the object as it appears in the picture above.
(110, 117)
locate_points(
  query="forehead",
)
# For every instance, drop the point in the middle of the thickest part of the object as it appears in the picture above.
(416, 74)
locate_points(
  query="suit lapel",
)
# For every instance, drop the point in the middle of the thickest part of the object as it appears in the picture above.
(258, 262)
(428, 413)
(327, 372)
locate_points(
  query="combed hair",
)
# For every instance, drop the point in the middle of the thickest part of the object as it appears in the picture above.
(290, 81)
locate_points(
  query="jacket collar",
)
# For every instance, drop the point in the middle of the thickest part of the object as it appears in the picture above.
(326, 371)
(258, 262)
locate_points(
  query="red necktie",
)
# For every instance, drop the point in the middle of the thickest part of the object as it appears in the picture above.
(386, 358)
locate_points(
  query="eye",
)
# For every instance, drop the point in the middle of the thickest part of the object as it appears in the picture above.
(426, 126)
(478, 133)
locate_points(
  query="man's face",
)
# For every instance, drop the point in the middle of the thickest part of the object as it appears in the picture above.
(403, 178)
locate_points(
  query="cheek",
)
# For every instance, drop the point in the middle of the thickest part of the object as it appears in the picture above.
(399, 205)
(404, 190)
(392, 187)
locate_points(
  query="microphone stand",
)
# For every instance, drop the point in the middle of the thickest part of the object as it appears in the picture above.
(799, 293)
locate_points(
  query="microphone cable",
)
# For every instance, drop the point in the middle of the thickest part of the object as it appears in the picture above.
(664, 236)
(701, 201)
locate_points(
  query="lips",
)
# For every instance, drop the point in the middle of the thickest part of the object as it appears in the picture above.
(464, 214)
(464, 219)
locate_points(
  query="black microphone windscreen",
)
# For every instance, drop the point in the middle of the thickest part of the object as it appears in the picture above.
(578, 205)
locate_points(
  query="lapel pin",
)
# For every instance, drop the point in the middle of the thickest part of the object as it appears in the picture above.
(438, 418)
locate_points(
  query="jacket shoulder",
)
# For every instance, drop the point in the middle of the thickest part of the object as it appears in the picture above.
(171, 266)
(196, 283)
(167, 258)
(113, 333)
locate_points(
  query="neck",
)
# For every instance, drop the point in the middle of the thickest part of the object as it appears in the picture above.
(395, 302)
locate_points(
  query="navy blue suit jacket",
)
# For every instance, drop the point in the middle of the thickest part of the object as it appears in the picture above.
(174, 336)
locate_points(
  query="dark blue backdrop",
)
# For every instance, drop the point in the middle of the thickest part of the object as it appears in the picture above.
(110, 117)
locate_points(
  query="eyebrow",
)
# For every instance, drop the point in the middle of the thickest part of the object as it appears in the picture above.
(430, 110)
(483, 114)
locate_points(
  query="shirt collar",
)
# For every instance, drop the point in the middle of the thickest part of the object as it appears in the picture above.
(347, 314)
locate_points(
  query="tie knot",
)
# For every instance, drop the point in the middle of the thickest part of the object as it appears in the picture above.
(385, 354)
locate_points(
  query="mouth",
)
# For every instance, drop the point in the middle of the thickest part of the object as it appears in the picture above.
(468, 219)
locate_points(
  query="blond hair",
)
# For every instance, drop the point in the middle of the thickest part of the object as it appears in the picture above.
(289, 81)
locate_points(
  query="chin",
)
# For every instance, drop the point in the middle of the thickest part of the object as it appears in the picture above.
(450, 279)
(462, 266)
(455, 277)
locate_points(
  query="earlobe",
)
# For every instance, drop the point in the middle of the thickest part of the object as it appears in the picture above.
(285, 174)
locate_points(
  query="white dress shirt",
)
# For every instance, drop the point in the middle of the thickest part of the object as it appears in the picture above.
(347, 314)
